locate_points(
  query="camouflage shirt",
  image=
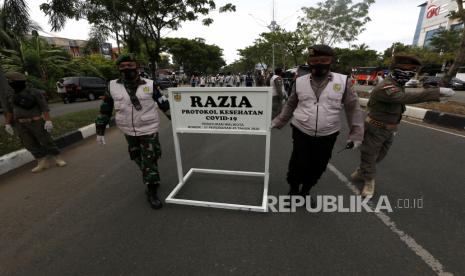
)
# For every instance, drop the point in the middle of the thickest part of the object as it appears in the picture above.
(388, 99)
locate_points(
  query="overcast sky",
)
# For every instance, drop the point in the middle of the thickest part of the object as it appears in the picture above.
(391, 21)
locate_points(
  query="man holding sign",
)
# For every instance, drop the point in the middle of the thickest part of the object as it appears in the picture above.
(135, 101)
(315, 103)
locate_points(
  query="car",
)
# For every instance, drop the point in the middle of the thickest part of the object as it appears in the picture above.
(90, 88)
(165, 83)
(413, 83)
(454, 83)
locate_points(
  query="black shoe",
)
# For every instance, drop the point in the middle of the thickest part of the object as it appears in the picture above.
(152, 198)
(312, 201)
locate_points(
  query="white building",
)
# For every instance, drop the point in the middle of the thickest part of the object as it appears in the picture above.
(434, 16)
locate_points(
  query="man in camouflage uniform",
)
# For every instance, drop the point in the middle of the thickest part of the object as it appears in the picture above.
(385, 107)
(135, 102)
(26, 109)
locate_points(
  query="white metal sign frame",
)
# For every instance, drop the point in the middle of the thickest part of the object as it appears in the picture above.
(265, 131)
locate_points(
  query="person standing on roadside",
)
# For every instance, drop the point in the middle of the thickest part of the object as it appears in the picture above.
(27, 111)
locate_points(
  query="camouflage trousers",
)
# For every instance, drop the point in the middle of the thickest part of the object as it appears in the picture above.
(376, 144)
(145, 151)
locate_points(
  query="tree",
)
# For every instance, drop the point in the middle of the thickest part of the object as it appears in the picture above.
(141, 21)
(446, 41)
(346, 59)
(194, 55)
(335, 21)
(460, 53)
(15, 24)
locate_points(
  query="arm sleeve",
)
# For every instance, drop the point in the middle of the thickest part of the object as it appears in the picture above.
(161, 101)
(288, 110)
(392, 94)
(354, 113)
(106, 111)
(278, 82)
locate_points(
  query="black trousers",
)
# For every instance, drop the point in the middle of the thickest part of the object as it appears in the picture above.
(310, 156)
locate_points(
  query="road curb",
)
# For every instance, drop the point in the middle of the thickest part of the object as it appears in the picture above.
(431, 116)
(16, 159)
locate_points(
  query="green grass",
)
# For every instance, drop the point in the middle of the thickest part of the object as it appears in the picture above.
(62, 125)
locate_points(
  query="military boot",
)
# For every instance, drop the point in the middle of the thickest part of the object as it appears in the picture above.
(152, 196)
(356, 175)
(59, 161)
(42, 164)
(369, 188)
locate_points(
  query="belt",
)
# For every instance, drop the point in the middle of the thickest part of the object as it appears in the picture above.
(380, 124)
(29, 120)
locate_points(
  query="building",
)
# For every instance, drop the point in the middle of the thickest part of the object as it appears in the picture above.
(76, 46)
(434, 16)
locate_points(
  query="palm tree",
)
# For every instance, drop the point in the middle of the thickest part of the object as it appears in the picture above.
(15, 24)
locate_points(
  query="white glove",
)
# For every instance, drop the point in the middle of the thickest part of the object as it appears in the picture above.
(101, 140)
(9, 129)
(446, 92)
(273, 125)
(48, 126)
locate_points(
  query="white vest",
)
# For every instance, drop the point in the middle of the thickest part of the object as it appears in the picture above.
(128, 119)
(273, 85)
(319, 117)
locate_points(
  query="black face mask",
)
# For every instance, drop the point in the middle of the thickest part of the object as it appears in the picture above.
(401, 76)
(18, 86)
(129, 74)
(320, 70)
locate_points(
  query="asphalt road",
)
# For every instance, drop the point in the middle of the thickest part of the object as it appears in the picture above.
(91, 217)
(458, 97)
(58, 109)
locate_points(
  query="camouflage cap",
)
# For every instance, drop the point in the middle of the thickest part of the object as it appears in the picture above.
(406, 60)
(126, 58)
(15, 76)
(320, 50)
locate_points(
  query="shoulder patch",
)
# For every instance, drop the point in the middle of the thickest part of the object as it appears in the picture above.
(390, 89)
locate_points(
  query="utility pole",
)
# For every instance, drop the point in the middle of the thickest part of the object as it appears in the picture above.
(272, 27)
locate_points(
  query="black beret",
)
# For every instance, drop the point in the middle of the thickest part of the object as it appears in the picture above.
(405, 59)
(126, 58)
(320, 50)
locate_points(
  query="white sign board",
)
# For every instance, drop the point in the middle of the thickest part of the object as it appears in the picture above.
(221, 110)
(244, 110)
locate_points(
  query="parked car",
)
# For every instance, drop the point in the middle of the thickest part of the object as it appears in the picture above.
(454, 83)
(413, 83)
(90, 88)
(165, 83)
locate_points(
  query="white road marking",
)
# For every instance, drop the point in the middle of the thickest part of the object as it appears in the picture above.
(429, 259)
(440, 130)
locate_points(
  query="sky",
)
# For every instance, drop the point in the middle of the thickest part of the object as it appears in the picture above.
(391, 21)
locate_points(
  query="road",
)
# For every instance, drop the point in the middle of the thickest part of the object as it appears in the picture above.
(58, 109)
(91, 217)
(458, 97)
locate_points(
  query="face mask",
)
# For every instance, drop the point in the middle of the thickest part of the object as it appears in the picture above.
(401, 76)
(319, 70)
(18, 86)
(129, 74)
